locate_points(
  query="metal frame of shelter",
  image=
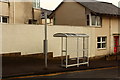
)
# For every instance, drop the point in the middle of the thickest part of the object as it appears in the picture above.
(85, 59)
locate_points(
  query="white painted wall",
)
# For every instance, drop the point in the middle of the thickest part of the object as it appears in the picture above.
(28, 39)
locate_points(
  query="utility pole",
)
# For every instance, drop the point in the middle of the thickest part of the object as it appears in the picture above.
(45, 41)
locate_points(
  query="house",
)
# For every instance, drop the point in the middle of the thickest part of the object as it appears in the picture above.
(79, 13)
(49, 21)
(103, 17)
(15, 12)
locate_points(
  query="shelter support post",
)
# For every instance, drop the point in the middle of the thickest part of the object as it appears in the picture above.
(83, 49)
(78, 52)
(66, 54)
(87, 51)
(61, 51)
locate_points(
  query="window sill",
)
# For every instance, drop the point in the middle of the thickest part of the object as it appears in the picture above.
(37, 8)
(4, 23)
(96, 26)
(101, 49)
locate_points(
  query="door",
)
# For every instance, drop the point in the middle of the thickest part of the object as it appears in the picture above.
(116, 43)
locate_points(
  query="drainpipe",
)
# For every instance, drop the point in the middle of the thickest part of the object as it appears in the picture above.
(110, 35)
(9, 12)
(119, 26)
(14, 12)
(32, 15)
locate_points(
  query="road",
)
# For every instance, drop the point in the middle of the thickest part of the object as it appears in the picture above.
(111, 72)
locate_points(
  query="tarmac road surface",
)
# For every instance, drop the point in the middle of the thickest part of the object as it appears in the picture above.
(111, 73)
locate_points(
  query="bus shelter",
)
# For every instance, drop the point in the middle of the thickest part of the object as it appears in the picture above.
(74, 49)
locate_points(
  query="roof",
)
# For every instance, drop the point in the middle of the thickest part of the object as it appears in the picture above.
(70, 35)
(97, 7)
(101, 7)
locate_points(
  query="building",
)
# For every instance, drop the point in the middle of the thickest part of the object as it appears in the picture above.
(49, 21)
(16, 12)
(80, 13)
(102, 16)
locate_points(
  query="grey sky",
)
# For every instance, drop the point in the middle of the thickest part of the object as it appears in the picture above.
(52, 4)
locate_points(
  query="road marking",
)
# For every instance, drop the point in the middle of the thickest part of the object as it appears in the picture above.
(54, 74)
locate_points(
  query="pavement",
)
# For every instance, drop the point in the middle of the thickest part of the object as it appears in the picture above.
(22, 66)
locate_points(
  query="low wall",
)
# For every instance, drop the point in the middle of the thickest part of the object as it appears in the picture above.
(28, 39)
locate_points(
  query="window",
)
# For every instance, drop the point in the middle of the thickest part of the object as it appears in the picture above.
(3, 19)
(36, 3)
(101, 42)
(42, 15)
(94, 20)
(88, 20)
(4, 0)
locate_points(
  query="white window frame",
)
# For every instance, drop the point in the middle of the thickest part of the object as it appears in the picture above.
(102, 42)
(36, 4)
(1, 19)
(96, 23)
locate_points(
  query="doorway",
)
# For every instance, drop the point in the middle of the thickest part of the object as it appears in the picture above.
(116, 44)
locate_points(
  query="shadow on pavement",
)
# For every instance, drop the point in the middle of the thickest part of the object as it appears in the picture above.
(28, 65)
